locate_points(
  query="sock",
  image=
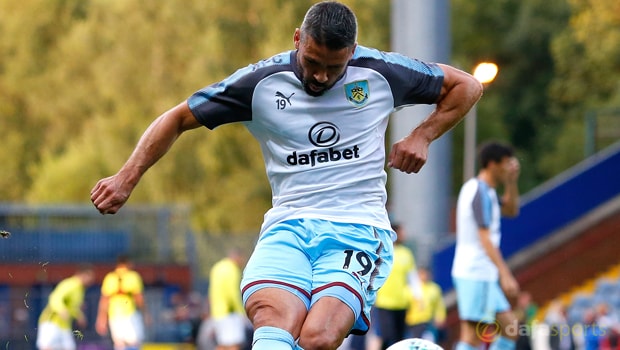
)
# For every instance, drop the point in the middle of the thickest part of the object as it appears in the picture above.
(272, 338)
(503, 343)
(464, 346)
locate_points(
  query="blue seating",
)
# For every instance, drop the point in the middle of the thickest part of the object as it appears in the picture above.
(606, 287)
(575, 315)
(64, 247)
(582, 301)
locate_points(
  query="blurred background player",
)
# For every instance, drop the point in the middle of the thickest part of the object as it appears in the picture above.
(395, 295)
(426, 316)
(121, 306)
(64, 305)
(230, 323)
(482, 279)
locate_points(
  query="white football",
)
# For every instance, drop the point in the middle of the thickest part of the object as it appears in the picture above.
(414, 344)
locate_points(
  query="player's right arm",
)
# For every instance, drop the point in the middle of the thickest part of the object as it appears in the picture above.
(510, 198)
(111, 193)
(101, 322)
(459, 92)
(507, 281)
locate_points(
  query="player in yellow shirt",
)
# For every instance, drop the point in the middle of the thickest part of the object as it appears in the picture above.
(426, 316)
(64, 305)
(395, 295)
(121, 306)
(226, 306)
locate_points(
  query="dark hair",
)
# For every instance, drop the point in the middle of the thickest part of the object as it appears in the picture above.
(122, 259)
(85, 268)
(330, 23)
(493, 151)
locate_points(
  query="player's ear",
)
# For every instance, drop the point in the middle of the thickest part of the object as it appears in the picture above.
(297, 38)
(352, 50)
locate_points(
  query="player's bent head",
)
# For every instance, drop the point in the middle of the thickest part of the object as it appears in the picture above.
(331, 24)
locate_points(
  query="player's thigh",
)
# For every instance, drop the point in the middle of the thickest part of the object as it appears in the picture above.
(328, 318)
(276, 307)
(475, 301)
(127, 329)
(48, 336)
(351, 263)
(67, 340)
(279, 261)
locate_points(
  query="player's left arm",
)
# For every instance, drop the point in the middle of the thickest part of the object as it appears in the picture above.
(459, 92)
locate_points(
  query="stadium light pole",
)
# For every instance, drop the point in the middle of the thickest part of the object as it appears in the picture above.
(485, 73)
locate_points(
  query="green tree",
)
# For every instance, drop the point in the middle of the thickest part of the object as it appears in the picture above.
(586, 77)
(516, 35)
(94, 73)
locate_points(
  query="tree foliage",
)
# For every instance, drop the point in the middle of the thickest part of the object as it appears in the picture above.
(516, 35)
(81, 79)
(586, 79)
(557, 59)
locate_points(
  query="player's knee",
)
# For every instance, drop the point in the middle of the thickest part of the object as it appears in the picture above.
(320, 339)
(262, 312)
(509, 325)
(275, 309)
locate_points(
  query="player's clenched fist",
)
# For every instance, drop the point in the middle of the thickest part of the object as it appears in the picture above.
(110, 194)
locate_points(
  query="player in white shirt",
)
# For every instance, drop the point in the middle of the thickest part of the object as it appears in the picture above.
(319, 113)
(481, 277)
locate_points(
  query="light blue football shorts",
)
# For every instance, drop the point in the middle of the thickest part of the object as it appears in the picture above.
(313, 258)
(479, 301)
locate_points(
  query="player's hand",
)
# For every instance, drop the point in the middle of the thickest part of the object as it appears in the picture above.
(512, 171)
(81, 322)
(110, 194)
(101, 326)
(409, 154)
(509, 285)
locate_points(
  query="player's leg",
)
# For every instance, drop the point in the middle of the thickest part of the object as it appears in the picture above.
(507, 338)
(386, 322)
(506, 319)
(328, 323)
(277, 316)
(136, 336)
(47, 336)
(475, 311)
(127, 332)
(276, 286)
(349, 263)
(469, 339)
(67, 340)
(230, 332)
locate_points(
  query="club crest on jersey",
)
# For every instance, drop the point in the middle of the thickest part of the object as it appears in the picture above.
(357, 92)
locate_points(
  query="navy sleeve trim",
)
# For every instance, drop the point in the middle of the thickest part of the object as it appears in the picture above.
(412, 81)
(230, 100)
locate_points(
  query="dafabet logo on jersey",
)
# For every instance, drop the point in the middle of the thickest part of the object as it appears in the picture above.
(323, 135)
(357, 92)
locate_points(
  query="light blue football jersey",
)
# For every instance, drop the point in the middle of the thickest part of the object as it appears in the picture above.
(324, 156)
(477, 207)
